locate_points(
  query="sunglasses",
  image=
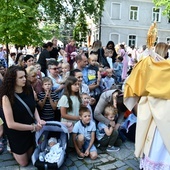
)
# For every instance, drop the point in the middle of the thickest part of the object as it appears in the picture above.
(54, 68)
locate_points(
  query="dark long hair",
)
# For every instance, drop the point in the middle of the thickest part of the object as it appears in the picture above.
(48, 44)
(120, 105)
(67, 91)
(113, 48)
(8, 85)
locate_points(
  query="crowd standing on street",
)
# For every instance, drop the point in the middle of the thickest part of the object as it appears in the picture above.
(84, 89)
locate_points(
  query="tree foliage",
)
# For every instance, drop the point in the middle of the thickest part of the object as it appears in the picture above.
(81, 29)
(20, 19)
(164, 3)
(19, 23)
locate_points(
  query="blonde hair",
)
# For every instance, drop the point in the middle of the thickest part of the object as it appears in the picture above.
(65, 64)
(20, 60)
(46, 79)
(53, 39)
(97, 45)
(31, 70)
(109, 110)
(92, 56)
(162, 49)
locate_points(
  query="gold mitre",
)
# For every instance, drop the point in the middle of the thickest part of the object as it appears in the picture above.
(152, 35)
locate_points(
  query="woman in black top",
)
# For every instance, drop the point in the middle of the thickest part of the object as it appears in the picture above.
(44, 56)
(111, 45)
(18, 123)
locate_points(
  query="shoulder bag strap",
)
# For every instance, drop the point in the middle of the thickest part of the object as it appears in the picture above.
(26, 106)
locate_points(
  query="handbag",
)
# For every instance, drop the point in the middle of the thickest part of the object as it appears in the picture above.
(69, 126)
(26, 106)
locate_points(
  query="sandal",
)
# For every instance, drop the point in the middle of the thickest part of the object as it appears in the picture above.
(1, 146)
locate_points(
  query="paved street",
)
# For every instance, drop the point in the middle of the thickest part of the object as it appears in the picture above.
(121, 160)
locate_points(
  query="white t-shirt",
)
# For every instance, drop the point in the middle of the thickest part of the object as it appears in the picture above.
(63, 102)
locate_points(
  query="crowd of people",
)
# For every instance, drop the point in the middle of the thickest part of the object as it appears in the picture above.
(81, 87)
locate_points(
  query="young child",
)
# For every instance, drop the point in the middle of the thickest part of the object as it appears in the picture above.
(84, 135)
(117, 67)
(69, 102)
(65, 72)
(86, 102)
(94, 77)
(40, 74)
(108, 81)
(106, 135)
(108, 53)
(47, 100)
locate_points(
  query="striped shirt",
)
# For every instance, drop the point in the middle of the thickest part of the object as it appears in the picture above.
(47, 112)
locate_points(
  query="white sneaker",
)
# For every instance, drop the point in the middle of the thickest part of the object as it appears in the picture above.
(112, 149)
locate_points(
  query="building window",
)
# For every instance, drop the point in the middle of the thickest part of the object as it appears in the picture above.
(115, 37)
(156, 14)
(168, 40)
(132, 40)
(133, 13)
(115, 10)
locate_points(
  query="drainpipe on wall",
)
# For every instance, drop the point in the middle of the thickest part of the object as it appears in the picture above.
(100, 28)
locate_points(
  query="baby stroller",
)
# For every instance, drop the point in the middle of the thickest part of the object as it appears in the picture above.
(51, 129)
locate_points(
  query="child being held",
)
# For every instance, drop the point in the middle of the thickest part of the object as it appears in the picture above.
(47, 100)
(86, 102)
(94, 76)
(106, 135)
(40, 74)
(108, 81)
(65, 72)
(117, 67)
(108, 53)
(84, 135)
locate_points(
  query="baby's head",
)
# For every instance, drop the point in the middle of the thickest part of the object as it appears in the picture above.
(38, 66)
(109, 72)
(52, 141)
(65, 67)
(93, 59)
(108, 52)
(110, 112)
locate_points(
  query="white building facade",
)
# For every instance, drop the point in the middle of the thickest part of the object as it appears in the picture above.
(128, 21)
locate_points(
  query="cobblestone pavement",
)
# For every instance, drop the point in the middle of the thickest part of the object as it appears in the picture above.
(121, 160)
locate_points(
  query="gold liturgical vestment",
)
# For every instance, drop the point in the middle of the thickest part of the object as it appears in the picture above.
(149, 86)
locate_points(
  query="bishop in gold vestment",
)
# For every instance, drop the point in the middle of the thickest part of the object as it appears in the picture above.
(149, 86)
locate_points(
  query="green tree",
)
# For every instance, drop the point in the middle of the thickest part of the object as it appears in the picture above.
(19, 22)
(20, 19)
(81, 29)
(164, 3)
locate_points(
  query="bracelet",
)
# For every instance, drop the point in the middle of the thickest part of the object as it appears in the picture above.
(34, 127)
